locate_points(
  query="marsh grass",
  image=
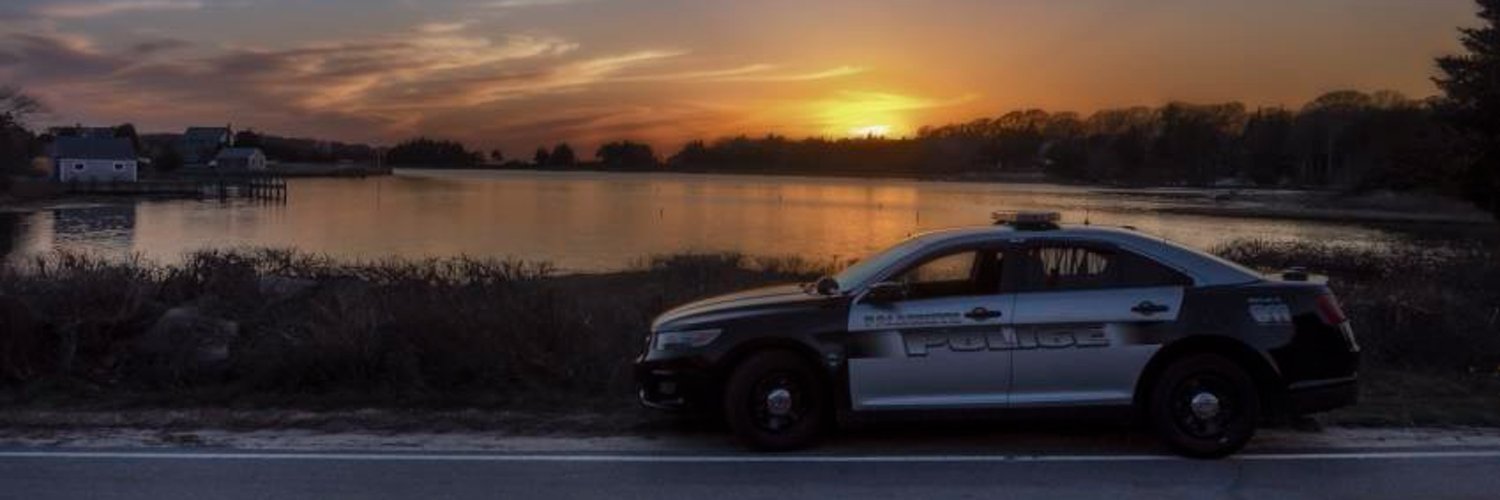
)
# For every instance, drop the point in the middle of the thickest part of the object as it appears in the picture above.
(1428, 321)
(435, 332)
(1435, 308)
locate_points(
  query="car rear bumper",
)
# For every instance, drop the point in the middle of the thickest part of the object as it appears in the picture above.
(1315, 396)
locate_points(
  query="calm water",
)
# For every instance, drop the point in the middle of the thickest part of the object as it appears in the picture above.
(595, 221)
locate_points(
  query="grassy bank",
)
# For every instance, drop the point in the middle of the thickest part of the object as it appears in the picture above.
(266, 328)
(279, 328)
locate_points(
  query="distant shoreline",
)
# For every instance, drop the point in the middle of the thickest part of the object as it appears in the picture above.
(1253, 202)
(26, 191)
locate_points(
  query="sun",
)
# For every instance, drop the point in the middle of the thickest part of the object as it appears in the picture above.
(870, 131)
(866, 114)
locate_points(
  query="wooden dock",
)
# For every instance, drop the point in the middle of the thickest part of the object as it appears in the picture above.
(259, 188)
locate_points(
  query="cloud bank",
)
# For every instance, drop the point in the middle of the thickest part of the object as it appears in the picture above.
(71, 10)
(436, 78)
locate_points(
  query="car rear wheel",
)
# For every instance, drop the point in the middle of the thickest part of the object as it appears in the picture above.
(776, 401)
(1205, 406)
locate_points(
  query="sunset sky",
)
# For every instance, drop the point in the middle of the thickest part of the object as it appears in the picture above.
(521, 73)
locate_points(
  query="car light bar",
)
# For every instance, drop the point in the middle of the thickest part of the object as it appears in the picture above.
(1033, 219)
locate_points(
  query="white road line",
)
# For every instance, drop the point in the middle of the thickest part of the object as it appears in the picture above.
(699, 459)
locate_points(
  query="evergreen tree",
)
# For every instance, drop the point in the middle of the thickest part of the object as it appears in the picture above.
(1471, 105)
(425, 152)
(563, 156)
(627, 154)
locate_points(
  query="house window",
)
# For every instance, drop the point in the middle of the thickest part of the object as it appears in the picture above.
(78, 166)
(119, 166)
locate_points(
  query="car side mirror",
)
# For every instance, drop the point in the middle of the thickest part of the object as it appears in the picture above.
(886, 292)
(827, 286)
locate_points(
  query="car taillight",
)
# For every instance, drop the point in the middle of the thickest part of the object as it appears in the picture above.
(1330, 311)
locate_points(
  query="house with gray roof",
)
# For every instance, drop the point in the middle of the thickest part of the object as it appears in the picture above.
(198, 146)
(94, 159)
(82, 131)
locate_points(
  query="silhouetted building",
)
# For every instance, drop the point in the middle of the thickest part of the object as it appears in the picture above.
(200, 145)
(84, 132)
(240, 159)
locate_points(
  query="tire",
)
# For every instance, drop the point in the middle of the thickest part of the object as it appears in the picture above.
(1205, 406)
(776, 401)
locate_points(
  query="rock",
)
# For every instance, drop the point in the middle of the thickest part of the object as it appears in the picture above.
(185, 342)
(281, 287)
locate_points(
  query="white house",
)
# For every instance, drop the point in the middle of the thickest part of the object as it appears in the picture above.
(94, 159)
(240, 159)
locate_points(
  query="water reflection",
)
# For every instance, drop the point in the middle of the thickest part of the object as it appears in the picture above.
(103, 229)
(11, 227)
(591, 221)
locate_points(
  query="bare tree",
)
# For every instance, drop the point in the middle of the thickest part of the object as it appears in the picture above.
(16, 106)
(17, 144)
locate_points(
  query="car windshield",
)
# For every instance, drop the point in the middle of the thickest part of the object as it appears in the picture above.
(865, 270)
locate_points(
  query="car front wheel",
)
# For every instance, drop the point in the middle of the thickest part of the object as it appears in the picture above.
(776, 401)
(1205, 406)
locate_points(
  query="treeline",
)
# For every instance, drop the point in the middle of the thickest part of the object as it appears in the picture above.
(434, 153)
(304, 150)
(425, 152)
(1347, 140)
(1343, 139)
(778, 154)
(277, 148)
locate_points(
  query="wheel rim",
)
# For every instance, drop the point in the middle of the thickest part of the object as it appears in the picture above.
(1206, 406)
(778, 402)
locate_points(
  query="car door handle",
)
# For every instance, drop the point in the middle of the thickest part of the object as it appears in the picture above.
(1147, 308)
(981, 314)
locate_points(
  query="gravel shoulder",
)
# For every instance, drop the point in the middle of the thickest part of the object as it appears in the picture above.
(489, 431)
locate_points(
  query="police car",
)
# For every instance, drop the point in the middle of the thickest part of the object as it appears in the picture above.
(1023, 315)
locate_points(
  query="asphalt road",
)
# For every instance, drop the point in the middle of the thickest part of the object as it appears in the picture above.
(32, 473)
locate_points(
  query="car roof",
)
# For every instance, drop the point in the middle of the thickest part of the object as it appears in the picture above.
(1205, 269)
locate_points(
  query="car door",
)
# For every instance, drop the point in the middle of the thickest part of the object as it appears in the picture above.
(942, 344)
(1088, 318)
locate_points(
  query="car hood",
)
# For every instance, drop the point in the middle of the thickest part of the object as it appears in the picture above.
(756, 301)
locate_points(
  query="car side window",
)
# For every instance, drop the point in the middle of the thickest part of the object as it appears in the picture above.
(1073, 267)
(1069, 268)
(968, 272)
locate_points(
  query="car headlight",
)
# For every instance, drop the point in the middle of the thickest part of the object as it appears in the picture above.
(687, 339)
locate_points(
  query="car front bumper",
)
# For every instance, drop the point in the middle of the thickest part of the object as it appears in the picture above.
(676, 385)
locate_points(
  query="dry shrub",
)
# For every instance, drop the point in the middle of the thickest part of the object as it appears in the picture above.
(435, 331)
